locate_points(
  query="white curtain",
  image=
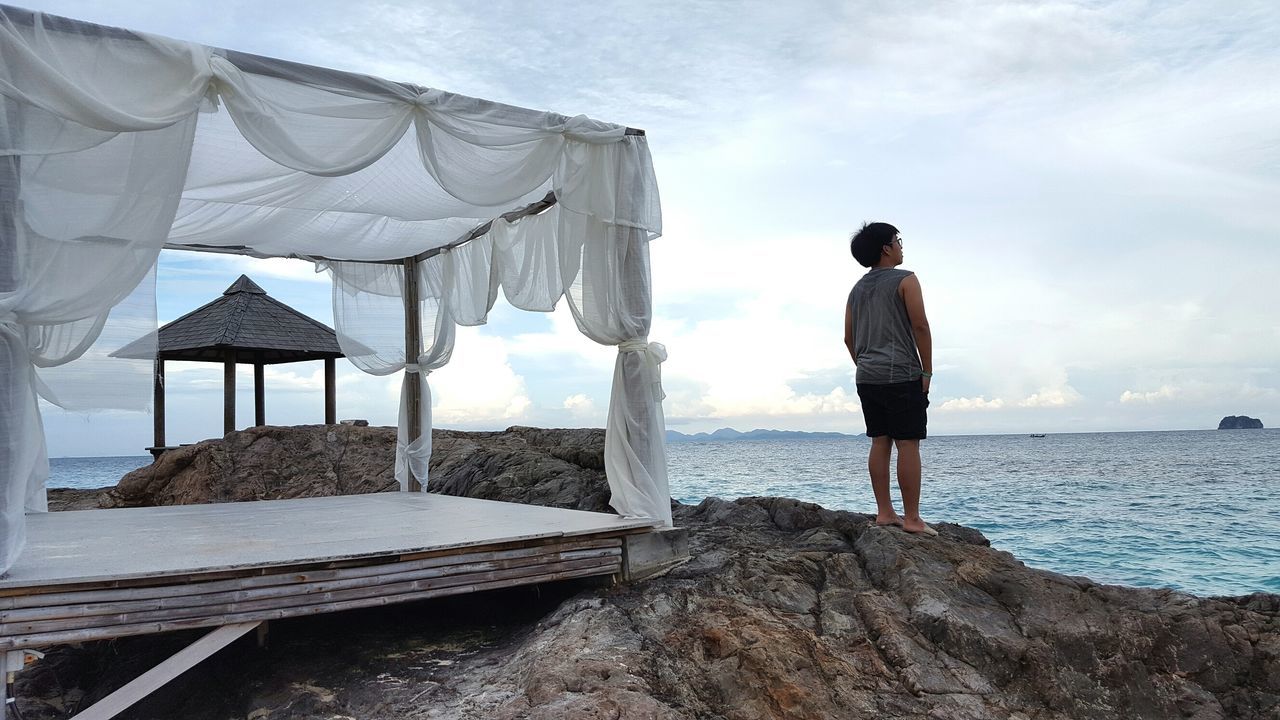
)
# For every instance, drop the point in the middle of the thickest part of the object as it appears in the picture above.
(105, 156)
(608, 290)
(90, 181)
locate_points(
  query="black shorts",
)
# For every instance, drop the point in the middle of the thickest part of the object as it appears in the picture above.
(896, 410)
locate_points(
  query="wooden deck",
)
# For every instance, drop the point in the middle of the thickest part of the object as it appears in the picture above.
(97, 574)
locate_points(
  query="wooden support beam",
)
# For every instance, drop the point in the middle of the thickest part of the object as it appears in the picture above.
(158, 418)
(532, 208)
(412, 349)
(259, 395)
(330, 391)
(187, 658)
(229, 392)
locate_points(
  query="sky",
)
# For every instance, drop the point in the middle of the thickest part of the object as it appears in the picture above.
(1086, 190)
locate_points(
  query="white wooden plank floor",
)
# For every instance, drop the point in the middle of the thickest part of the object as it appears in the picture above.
(89, 546)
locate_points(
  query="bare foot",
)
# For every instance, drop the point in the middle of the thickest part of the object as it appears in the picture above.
(888, 520)
(916, 526)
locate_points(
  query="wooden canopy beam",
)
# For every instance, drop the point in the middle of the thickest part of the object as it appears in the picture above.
(532, 208)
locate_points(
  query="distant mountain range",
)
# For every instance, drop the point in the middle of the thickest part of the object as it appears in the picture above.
(731, 434)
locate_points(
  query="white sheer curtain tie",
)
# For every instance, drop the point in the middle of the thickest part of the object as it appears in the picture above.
(413, 368)
(654, 355)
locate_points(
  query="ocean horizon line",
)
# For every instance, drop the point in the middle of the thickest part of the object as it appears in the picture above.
(814, 432)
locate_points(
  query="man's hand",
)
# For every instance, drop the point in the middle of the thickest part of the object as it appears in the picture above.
(924, 382)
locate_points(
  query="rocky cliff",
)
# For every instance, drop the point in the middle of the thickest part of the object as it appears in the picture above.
(1239, 422)
(785, 610)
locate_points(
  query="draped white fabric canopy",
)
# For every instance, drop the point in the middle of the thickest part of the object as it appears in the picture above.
(115, 144)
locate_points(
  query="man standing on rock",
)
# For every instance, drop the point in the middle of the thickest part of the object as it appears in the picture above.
(887, 334)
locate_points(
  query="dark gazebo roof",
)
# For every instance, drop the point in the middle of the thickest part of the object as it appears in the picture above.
(259, 328)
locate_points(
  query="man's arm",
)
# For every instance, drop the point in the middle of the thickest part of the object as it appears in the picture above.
(848, 332)
(909, 289)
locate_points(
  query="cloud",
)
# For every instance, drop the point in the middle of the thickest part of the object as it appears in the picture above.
(190, 263)
(192, 377)
(579, 404)
(478, 387)
(1064, 396)
(1087, 190)
(1166, 392)
(940, 58)
(976, 403)
(1196, 387)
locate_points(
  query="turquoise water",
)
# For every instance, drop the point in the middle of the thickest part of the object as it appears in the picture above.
(1194, 511)
(1197, 511)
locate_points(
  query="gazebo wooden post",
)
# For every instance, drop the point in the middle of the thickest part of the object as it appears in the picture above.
(259, 398)
(229, 391)
(330, 391)
(158, 419)
(412, 348)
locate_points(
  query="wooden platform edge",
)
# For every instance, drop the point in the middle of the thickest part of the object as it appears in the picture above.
(124, 610)
(151, 580)
(266, 577)
(559, 571)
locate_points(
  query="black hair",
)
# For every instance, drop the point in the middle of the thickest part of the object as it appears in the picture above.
(866, 243)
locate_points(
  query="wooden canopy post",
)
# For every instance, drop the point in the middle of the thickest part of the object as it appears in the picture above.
(11, 385)
(158, 438)
(259, 398)
(412, 349)
(229, 392)
(330, 391)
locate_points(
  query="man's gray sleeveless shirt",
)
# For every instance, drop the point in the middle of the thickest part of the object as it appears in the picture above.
(883, 345)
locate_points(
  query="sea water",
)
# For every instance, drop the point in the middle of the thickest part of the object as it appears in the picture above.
(1197, 511)
(92, 472)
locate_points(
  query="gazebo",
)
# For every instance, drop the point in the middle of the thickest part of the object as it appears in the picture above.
(244, 326)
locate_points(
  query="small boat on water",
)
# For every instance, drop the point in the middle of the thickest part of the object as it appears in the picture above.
(1037, 434)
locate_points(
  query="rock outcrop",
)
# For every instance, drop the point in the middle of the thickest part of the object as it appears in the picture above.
(785, 610)
(265, 463)
(558, 468)
(1239, 422)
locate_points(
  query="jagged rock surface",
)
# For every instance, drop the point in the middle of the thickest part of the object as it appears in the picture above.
(785, 610)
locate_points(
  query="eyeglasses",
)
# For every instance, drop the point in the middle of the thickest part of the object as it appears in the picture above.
(897, 240)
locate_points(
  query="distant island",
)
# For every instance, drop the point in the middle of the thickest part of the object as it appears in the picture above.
(731, 434)
(1239, 422)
